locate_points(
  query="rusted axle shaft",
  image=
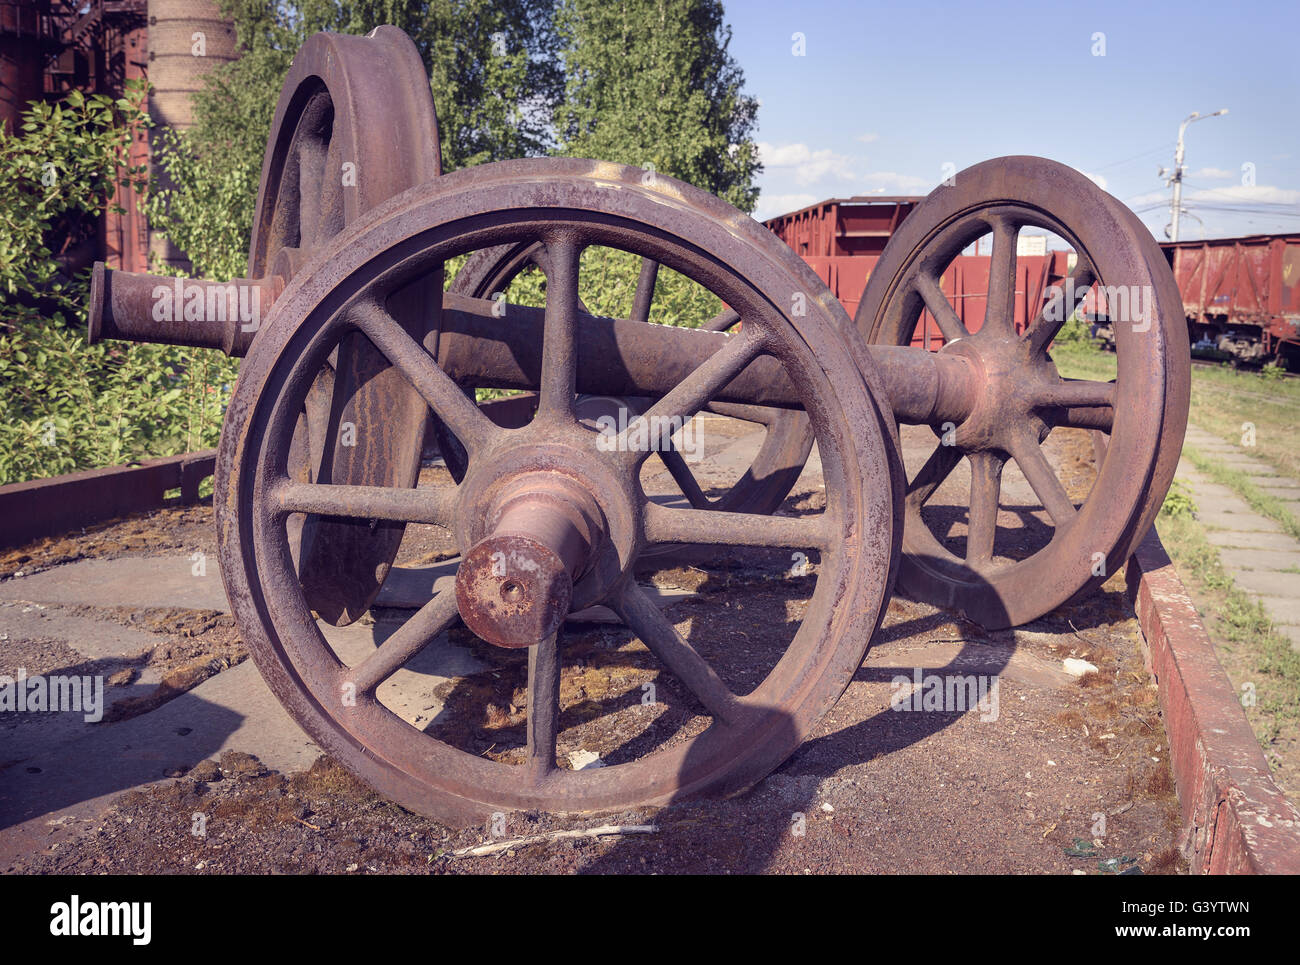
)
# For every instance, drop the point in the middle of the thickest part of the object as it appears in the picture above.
(481, 346)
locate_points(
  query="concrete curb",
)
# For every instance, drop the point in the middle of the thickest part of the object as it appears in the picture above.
(1236, 819)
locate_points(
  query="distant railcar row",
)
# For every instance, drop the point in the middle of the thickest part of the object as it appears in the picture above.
(1241, 295)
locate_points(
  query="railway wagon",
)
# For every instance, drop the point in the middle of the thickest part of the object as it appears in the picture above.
(1241, 296)
(841, 239)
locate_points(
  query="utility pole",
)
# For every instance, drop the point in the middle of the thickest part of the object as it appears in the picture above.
(1176, 178)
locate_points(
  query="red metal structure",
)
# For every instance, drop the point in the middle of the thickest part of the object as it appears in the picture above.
(1241, 295)
(51, 47)
(842, 238)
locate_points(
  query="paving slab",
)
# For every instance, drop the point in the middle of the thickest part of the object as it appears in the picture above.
(1238, 522)
(1265, 559)
(232, 710)
(92, 649)
(1268, 583)
(1251, 539)
(1254, 549)
(93, 639)
(155, 581)
(1291, 632)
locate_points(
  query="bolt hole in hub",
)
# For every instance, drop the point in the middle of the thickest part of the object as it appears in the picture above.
(707, 697)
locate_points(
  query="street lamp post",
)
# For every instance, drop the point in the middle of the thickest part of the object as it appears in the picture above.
(1176, 179)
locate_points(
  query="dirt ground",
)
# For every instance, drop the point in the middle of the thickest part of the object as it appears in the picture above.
(1065, 776)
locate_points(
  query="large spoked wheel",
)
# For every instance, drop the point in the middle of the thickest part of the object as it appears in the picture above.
(787, 439)
(571, 482)
(1023, 397)
(355, 125)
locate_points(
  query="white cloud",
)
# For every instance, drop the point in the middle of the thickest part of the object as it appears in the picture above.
(1214, 173)
(876, 181)
(1256, 194)
(771, 205)
(807, 166)
(868, 138)
(1151, 197)
(1096, 179)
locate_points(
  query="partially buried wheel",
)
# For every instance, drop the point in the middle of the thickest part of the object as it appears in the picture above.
(354, 126)
(548, 517)
(997, 570)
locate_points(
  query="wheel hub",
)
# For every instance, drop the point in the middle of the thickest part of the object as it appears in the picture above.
(1006, 403)
(515, 585)
(547, 525)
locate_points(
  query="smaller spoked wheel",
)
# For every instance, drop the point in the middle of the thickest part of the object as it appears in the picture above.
(552, 517)
(991, 529)
(786, 441)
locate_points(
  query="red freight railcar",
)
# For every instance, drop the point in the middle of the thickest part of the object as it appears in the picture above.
(1241, 296)
(841, 239)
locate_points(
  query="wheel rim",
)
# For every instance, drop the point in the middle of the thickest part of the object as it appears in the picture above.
(685, 229)
(363, 102)
(1023, 397)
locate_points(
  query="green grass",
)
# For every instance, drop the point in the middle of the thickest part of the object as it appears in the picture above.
(1076, 360)
(1243, 485)
(1223, 401)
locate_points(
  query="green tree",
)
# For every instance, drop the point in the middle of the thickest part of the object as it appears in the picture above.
(494, 72)
(66, 405)
(57, 174)
(651, 83)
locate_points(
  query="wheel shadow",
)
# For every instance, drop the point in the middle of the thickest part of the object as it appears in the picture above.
(50, 771)
(774, 808)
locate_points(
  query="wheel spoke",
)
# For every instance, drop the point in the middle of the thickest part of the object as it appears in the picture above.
(543, 705)
(927, 286)
(1081, 393)
(310, 163)
(645, 290)
(682, 475)
(366, 502)
(722, 321)
(1043, 480)
(645, 620)
(936, 469)
(758, 414)
(1000, 306)
(443, 395)
(692, 393)
(1060, 307)
(985, 488)
(329, 213)
(559, 348)
(408, 640)
(1092, 417)
(665, 524)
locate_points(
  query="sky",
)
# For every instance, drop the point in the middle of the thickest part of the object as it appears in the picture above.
(883, 96)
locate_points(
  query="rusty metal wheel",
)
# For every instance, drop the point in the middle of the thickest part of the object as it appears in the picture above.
(548, 518)
(1023, 397)
(354, 126)
(787, 440)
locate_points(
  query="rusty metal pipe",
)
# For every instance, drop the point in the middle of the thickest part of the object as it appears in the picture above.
(622, 357)
(140, 307)
(618, 357)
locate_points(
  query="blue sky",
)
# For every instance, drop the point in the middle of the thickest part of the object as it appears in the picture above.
(886, 94)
